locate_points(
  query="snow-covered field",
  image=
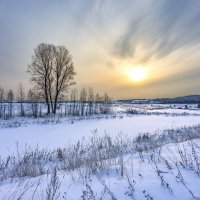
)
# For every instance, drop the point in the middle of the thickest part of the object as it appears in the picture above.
(158, 173)
(58, 135)
(42, 132)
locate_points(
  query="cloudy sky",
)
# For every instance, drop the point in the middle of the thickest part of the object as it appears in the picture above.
(107, 39)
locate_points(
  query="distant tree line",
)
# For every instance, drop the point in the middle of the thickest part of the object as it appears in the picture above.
(88, 103)
(77, 103)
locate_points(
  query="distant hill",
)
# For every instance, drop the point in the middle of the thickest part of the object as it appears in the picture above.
(191, 99)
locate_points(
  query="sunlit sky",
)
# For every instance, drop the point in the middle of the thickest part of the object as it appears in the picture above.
(108, 39)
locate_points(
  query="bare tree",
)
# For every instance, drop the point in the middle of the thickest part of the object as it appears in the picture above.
(41, 71)
(10, 98)
(106, 104)
(90, 100)
(97, 100)
(64, 73)
(21, 98)
(33, 100)
(52, 72)
(73, 101)
(1, 101)
(83, 98)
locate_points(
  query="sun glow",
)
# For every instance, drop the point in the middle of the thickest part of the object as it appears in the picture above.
(138, 74)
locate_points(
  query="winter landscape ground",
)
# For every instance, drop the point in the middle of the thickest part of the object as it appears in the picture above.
(137, 151)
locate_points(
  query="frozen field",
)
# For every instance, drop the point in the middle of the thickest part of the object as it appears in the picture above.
(152, 170)
(58, 135)
(33, 132)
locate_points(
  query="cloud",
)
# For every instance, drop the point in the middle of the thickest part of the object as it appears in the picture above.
(161, 28)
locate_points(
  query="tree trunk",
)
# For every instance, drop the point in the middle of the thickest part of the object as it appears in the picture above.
(55, 104)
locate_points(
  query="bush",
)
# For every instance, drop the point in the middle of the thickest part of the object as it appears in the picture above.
(132, 112)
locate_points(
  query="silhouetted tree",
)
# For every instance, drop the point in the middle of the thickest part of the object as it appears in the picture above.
(83, 98)
(64, 73)
(10, 98)
(33, 101)
(73, 103)
(21, 98)
(90, 100)
(106, 104)
(41, 71)
(52, 72)
(97, 102)
(1, 101)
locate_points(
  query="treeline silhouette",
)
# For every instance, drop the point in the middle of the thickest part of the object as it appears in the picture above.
(75, 103)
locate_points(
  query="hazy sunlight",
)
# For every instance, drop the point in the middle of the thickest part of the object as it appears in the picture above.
(138, 74)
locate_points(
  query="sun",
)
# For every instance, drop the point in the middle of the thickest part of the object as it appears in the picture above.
(138, 74)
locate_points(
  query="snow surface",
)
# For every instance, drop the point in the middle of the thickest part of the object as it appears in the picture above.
(58, 135)
(53, 136)
(143, 173)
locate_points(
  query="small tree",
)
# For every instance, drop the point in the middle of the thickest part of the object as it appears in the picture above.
(83, 98)
(97, 101)
(73, 101)
(90, 100)
(10, 98)
(21, 98)
(106, 104)
(33, 100)
(1, 101)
